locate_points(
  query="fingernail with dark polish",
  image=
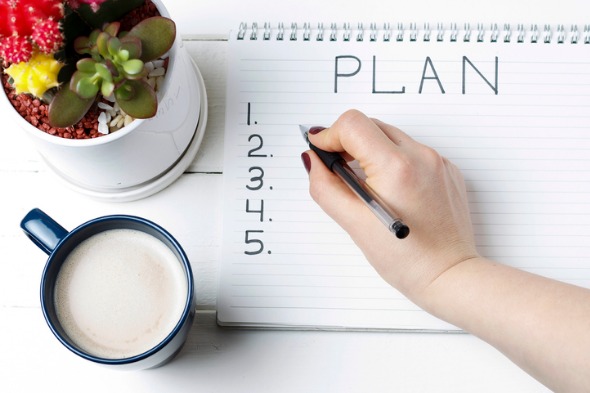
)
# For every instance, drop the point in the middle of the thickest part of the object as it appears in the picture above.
(306, 161)
(316, 130)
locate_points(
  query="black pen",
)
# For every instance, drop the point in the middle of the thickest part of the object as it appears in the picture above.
(338, 165)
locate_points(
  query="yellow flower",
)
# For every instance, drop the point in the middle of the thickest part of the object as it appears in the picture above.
(35, 76)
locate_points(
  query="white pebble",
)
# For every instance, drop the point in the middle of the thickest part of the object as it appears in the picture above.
(103, 120)
(158, 63)
(159, 83)
(115, 120)
(104, 106)
(149, 66)
(158, 72)
(151, 82)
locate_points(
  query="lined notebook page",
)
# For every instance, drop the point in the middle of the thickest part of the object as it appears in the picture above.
(515, 117)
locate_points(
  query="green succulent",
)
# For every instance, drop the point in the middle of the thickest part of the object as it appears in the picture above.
(114, 64)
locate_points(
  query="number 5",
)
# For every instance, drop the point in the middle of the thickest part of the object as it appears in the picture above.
(249, 240)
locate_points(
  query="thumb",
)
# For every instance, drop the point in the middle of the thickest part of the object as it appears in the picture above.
(334, 196)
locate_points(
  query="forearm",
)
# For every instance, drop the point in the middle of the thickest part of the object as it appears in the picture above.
(531, 319)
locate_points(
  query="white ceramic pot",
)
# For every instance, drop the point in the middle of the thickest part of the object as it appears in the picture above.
(143, 157)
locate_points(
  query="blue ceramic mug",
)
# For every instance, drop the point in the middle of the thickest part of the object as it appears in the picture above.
(117, 290)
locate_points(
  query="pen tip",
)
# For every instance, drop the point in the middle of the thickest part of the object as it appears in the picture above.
(304, 131)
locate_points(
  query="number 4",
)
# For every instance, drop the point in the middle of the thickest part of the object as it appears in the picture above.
(260, 212)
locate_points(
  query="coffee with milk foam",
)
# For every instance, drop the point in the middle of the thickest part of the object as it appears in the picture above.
(120, 293)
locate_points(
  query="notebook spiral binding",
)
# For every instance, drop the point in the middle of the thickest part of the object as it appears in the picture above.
(398, 32)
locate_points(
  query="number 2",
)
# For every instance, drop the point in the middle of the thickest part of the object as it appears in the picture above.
(256, 148)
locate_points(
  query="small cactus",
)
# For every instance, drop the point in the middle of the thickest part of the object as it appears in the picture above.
(36, 76)
(32, 21)
(47, 36)
(16, 49)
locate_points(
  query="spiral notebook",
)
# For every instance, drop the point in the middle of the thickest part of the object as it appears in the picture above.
(509, 104)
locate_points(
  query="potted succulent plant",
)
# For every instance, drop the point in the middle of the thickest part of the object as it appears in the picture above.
(112, 100)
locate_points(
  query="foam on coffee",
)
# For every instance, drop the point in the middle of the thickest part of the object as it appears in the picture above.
(120, 293)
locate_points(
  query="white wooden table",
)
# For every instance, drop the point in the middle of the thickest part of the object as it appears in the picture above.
(220, 359)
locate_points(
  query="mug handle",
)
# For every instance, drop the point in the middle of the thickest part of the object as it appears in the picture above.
(43, 230)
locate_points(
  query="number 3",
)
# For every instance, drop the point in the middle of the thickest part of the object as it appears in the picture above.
(256, 178)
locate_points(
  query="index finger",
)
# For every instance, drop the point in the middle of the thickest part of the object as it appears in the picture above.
(358, 136)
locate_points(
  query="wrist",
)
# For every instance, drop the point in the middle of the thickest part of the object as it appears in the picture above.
(439, 294)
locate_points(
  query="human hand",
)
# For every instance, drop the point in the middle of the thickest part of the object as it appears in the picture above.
(424, 188)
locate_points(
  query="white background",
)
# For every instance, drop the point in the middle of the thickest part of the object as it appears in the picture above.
(225, 360)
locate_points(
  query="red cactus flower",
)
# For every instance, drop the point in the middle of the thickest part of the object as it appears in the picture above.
(15, 49)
